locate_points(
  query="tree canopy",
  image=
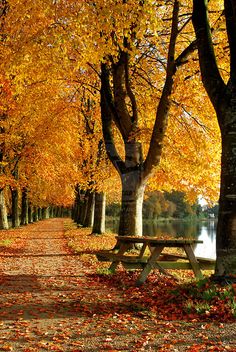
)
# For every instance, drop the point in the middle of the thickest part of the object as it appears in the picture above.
(51, 56)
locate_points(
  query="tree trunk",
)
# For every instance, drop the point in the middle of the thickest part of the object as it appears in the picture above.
(30, 214)
(24, 208)
(15, 208)
(226, 228)
(45, 213)
(89, 213)
(40, 213)
(82, 208)
(223, 98)
(99, 213)
(77, 210)
(131, 220)
(3, 212)
(51, 212)
(35, 214)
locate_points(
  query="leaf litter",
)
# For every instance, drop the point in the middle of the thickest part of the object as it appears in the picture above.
(55, 296)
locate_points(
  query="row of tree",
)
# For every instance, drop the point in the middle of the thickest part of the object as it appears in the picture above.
(169, 205)
(84, 82)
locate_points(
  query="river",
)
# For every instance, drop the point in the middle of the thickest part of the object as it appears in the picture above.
(201, 230)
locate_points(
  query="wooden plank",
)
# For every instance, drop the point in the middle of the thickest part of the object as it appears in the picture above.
(172, 242)
(150, 265)
(167, 265)
(194, 263)
(206, 260)
(103, 258)
(104, 255)
(110, 256)
(172, 256)
(207, 265)
(133, 266)
(123, 248)
(158, 264)
(124, 258)
(176, 256)
(142, 250)
(138, 263)
(105, 251)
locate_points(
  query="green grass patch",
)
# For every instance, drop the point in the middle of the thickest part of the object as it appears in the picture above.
(6, 243)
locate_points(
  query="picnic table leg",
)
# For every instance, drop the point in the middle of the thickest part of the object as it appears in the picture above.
(151, 263)
(142, 250)
(123, 248)
(193, 261)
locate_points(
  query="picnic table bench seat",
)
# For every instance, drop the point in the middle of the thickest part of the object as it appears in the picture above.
(167, 260)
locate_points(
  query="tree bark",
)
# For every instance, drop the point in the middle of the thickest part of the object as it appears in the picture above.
(24, 208)
(35, 214)
(226, 228)
(3, 211)
(30, 214)
(40, 213)
(89, 213)
(99, 213)
(223, 98)
(131, 219)
(15, 208)
(76, 208)
(45, 212)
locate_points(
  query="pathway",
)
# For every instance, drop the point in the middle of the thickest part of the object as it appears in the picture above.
(47, 301)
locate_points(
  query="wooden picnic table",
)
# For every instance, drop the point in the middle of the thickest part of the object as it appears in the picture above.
(154, 258)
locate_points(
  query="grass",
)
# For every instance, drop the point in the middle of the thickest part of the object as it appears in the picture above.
(6, 243)
(204, 294)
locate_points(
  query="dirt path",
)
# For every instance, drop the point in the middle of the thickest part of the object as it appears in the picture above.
(49, 302)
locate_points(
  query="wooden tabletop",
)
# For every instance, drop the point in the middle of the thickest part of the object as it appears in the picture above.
(156, 240)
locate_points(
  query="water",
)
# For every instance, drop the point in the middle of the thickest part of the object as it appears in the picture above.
(201, 230)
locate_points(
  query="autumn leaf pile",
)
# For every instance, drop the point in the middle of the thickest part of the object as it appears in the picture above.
(56, 296)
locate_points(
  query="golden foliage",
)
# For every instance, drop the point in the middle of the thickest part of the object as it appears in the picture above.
(50, 55)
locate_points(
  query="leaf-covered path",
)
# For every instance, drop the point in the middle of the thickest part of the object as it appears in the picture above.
(50, 301)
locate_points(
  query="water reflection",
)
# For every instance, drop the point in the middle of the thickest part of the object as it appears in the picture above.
(202, 230)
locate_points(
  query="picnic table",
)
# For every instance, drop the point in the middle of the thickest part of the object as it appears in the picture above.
(154, 257)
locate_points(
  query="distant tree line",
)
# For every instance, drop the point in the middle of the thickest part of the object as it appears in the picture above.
(158, 205)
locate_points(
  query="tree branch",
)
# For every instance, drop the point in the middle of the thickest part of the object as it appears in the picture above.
(156, 143)
(230, 15)
(183, 57)
(106, 115)
(130, 92)
(211, 77)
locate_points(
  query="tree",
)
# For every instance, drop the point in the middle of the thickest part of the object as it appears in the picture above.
(183, 208)
(129, 45)
(222, 92)
(124, 106)
(119, 106)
